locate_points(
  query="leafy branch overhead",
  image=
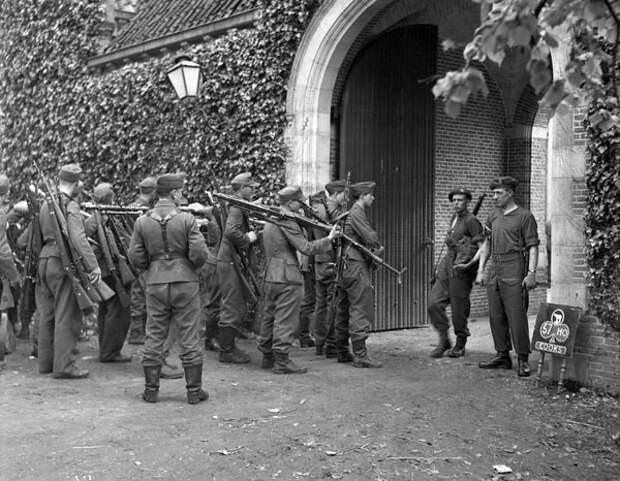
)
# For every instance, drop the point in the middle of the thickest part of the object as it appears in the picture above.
(535, 27)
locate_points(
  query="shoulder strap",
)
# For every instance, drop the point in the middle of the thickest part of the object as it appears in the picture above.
(163, 223)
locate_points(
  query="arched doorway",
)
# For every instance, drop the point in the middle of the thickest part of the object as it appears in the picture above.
(387, 132)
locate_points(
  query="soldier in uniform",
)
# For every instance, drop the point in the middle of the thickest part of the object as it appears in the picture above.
(168, 245)
(284, 283)
(138, 302)
(60, 317)
(512, 247)
(453, 286)
(356, 291)
(328, 205)
(236, 241)
(112, 317)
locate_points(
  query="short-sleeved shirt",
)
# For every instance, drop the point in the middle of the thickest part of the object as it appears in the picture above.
(512, 232)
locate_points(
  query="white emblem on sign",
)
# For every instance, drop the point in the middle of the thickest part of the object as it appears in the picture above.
(555, 330)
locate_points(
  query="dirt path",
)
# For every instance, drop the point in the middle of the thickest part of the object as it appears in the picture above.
(415, 419)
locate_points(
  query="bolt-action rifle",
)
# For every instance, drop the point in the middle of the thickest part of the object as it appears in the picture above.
(106, 251)
(34, 243)
(275, 215)
(87, 295)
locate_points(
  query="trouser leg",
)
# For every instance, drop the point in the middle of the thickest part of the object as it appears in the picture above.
(186, 315)
(157, 324)
(286, 316)
(113, 322)
(438, 300)
(460, 288)
(360, 293)
(497, 318)
(45, 313)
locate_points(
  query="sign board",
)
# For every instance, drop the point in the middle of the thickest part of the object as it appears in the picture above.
(556, 328)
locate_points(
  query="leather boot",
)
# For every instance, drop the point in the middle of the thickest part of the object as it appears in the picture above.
(151, 383)
(229, 353)
(459, 348)
(442, 345)
(269, 360)
(319, 350)
(136, 330)
(344, 355)
(193, 382)
(500, 361)
(306, 341)
(360, 355)
(331, 352)
(284, 365)
(170, 370)
(523, 367)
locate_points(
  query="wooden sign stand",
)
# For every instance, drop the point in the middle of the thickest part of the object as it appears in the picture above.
(555, 332)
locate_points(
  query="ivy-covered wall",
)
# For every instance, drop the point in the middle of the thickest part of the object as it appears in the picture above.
(603, 220)
(123, 125)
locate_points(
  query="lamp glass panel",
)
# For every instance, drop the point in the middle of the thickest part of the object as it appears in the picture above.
(192, 80)
(176, 79)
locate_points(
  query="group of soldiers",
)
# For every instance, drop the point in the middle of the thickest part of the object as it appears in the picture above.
(194, 269)
(191, 266)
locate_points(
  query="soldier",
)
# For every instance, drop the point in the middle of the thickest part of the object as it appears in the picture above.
(512, 247)
(138, 302)
(236, 241)
(356, 290)
(453, 286)
(328, 204)
(168, 245)
(284, 284)
(60, 318)
(112, 316)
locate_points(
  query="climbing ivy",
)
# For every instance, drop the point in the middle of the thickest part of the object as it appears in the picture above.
(125, 124)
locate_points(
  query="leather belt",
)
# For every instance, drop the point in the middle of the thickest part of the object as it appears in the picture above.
(506, 257)
(164, 256)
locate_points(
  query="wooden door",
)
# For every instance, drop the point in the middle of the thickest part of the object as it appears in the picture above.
(387, 130)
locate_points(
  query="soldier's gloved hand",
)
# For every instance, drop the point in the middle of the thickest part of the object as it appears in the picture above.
(94, 276)
(335, 232)
(252, 236)
(530, 280)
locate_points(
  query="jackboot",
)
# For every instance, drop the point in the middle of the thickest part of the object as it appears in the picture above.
(269, 360)
(229, 353)
(331, 352)
(344, 356)
(306, 341)
(170, 370)
(193, 382)
(284, 365)
(136, 330)
(360, 355)
(442, 346)
(151, 383)
(459, 348)
(500, 361)
(319, 349)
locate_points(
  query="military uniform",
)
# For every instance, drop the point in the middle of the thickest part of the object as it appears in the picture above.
(512, 233)
(138, 300)
(357, 292)
(113, 317)
(236, 242)
(168, 245)
(453, 287)
(324, 268)
(60, 317)
(284, 286)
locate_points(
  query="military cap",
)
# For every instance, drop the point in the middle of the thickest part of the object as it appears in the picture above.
(335, 186)
(148, 184)
(461, 191)
(170, 181)
(102, 191)
(244, 179)
(4, 184)
(290, 192)
(361, 188)
(505, 182)
(70, 173)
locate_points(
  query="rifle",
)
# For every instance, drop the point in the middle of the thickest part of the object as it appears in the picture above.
(339, 244)
(241, 261)
(277, 216)
(86, 294)
(104, 245)
(34, 243)
(119, 252)
(476, 208)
